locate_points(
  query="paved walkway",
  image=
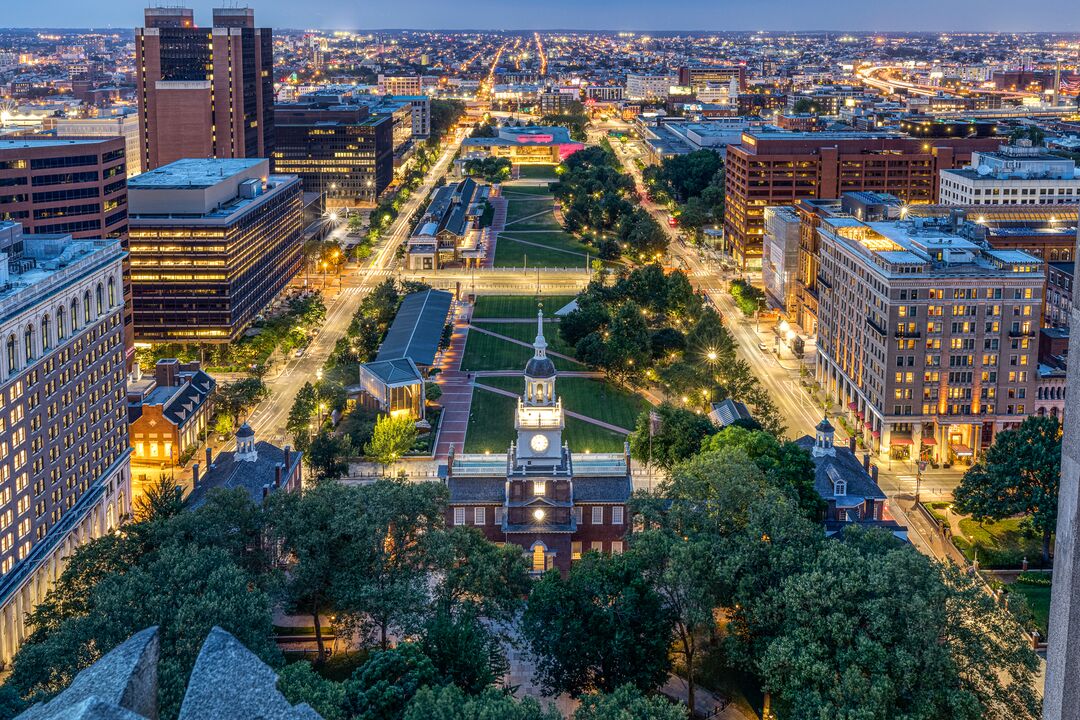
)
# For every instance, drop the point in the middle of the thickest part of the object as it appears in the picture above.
(456, 390)
(706, 703)
(576, 416)
(498, 222)
(545, 211)
(523, 343)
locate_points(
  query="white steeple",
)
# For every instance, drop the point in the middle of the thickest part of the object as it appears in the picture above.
(540, 344)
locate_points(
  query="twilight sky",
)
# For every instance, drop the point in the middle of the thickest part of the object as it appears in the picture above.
(1059, 15)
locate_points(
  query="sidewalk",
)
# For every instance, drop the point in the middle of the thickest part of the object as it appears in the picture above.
(456, 390)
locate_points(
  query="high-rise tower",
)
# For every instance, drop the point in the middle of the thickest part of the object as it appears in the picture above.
(204, 92)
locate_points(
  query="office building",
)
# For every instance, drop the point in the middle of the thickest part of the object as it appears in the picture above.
(125, 126)
(780, 256)
(1017, 174)
(1059, 294)
(203, 92)
(342, 152)
(538, 495)
(649, 87)
(777, 168)
(71, 186)
(696, 77)
(212, 243)
(63, 438)
(400, 85)
(927, 338)
(524, 145)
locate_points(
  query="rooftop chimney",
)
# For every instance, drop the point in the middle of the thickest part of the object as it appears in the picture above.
(866, 462)
(195, 475)
(209, 457)
(288, 457)
(277, 476)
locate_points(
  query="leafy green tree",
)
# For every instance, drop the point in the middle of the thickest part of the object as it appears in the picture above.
(628, 703)
(600, 627)
(328, 456)
(1019, 474)
(298, 424)
(872, 628)
(382, 687)
(383, 586)
(237, 397)
(298, 682)
(392, 438)
(159, 500)
(315, 529)
(590, 316)
(786, 465)
(450, 703)
(464, 651)
(676, 436)
(476, 575)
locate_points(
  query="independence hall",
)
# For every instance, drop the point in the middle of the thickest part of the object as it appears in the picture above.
(212, 242)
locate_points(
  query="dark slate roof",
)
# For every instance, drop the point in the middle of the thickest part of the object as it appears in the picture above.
(417, 328)
(728, 411)
(602, 489)
(540, 368)
(395, 372)
(245, 431)
(845, 465)
(824, 425)
(229, 473)
(179, 403)
(477, 490)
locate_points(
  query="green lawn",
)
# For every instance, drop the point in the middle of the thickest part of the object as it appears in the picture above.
(586, 396)
(526, 332)
(509, 189)
(516, 306)
(544, 250)
(485, 352)
(525, 217)
(491, 427)
(520, 207)
(1038, 601)
(537, 172)
(1002, 544)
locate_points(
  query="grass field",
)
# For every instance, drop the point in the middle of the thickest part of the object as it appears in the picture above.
(544, 251)
(525, 217)
(485, 352)
(1002, 544)
(540, 191)
(594, 398)
(516, 306)
(526, 332)
(537, 172)
(1038, 601)
(491, 427)
(520, 207)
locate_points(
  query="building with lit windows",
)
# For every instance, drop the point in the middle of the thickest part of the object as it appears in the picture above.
(342, 151)
(212, 243)
(553, 503)
(524, 145)
(929, 339)
(64, 475)
(1017, 174)
(204, 91)
(778, 168)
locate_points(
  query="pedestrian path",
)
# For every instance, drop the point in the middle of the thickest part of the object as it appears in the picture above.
(524, 344)
(456, 399)
(545, 211)
(498, 222)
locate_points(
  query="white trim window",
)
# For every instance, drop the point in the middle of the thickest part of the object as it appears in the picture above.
(616, 547)
(598, 515)
(459, 516)
(617, 515)
(597, 545)
(579, 514)
(498, 514)
(480, 516)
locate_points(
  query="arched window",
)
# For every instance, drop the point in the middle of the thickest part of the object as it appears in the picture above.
(12, 355)
(74, 314)
(45, 334)
(112, 293)
(61, 329)
(839, 488)
(28, 343)
(100, 295)
(86, 306)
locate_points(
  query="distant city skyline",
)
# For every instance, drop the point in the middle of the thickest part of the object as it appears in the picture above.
(638, 15)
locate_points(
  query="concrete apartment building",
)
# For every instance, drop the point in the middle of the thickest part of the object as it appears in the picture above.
(342, 152)
(649, 87)
(64, 475)
(400, 84)
(696, 77)
(203, 92)
(778, 168)
(1017, 174)
(212, 243)
(927, 338)
(125, 126)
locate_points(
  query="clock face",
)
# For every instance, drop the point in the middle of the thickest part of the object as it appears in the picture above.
(539, 443)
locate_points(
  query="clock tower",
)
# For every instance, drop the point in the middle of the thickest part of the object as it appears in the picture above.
(539, 420)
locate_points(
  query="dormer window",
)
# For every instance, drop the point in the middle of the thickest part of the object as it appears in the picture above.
(840, 488)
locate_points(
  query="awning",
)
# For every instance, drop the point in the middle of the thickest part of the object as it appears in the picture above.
(868, 424)
(900, 440)
(853, 406)
(962, 450)
(929, 440)
(876, 433)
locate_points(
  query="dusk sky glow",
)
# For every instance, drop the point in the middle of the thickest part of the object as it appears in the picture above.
(913, 15)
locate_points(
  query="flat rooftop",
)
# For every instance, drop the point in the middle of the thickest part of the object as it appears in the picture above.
(45, 141)
(193, 173)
